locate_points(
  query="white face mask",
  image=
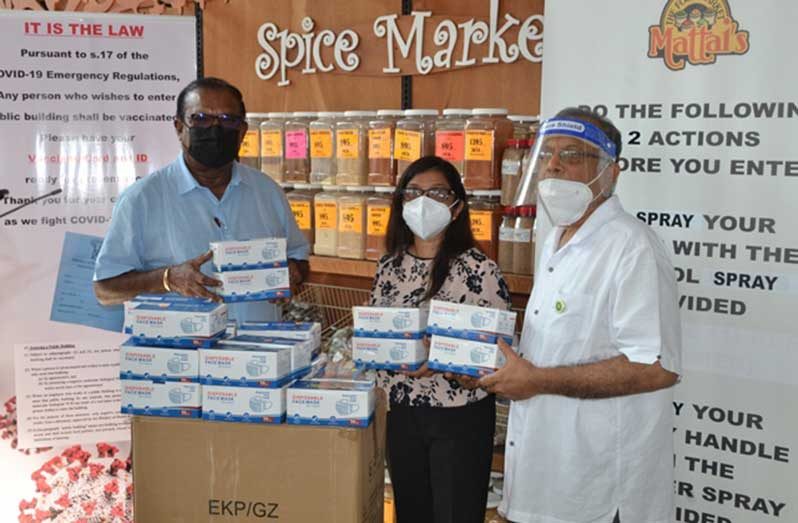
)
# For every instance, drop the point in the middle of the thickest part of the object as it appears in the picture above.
(565, 201)
(426, 217)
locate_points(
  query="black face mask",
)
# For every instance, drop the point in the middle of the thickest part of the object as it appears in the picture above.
(213, 146)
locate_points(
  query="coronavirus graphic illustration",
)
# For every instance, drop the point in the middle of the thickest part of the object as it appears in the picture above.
(8, 427)
(78, 487)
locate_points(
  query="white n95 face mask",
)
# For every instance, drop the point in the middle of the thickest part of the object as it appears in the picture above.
(565, 201)
(426, 217)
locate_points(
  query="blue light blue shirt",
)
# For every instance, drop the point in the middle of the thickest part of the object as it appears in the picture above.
(167, 218)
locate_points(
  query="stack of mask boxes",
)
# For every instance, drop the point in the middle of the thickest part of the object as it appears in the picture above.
(389, 338)
(159, 364)
(464, 337)
(251, 270)
(332, 402)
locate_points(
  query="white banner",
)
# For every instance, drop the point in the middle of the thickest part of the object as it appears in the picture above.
(704, 94)
(86, 103)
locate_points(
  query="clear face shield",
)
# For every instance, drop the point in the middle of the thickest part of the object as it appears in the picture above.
(569, 169)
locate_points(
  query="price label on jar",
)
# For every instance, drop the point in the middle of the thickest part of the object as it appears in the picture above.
(271, 144)
(511, 167)
(522, 235)
(296, 145)
(481, 225)
(326, 215)
(249, 147)
(449, 145)
(506, 234)
(321, 144)
(408, 145)
(351, 218)
(378, 218)
(379, 144)
(347, 144)
(301, 212)
(479, 145)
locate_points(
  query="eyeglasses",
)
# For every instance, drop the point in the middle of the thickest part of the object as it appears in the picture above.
(436, 193)
(567, 156)
(205, 120)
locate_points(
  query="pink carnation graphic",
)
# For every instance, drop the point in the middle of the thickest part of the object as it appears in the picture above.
(8, 427)
(77, 487)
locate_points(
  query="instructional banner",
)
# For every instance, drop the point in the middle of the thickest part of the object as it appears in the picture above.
(86, 103)
(707, 107)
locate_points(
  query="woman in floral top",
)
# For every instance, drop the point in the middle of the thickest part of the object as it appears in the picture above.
(440, 433)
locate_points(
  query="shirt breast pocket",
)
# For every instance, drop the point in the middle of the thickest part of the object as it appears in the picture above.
(569, 319)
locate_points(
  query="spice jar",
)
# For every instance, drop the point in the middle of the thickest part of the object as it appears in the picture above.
(486, 135)
(450, 136)
(378, 214)
(352, 148)
(523, 126)
(507, 239)
(511, 169)
(271, 146)
(524, 248)
(486, 214)
(415, 137)
(297, 147)
(301, 202)
(382, 164)
(322, 152)
(352, 222)
(249, 152)
(325, 216)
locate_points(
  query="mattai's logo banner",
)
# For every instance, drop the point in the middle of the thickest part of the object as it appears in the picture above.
(695, 32)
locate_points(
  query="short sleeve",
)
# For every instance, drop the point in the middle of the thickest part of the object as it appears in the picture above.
(121, 248)
(475, 279)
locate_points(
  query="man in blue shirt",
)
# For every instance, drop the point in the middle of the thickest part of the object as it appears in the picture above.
(162, 225)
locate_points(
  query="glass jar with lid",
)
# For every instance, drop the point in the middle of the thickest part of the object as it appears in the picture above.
(382, 164)
(297, 147)
(301, 202)
(322, 148)
(450, 136)
(512, 160)
(352, 222)
(415, 137)
(524, 248)
(486, 135)
(249, 152)
(378, 214)
(271, 146)
(486, 214)
(351, 135)
(523, 125)
(325, 216)
(507, 239)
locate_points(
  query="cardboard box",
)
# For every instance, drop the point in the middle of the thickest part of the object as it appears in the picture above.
(245, 366)
(253, 285)
(389, 322)
(158, 363)
(301, 350)
(460, 317)
(284, 329)
(461, 356)
(175, 319)
(243, 404)
(170, 399)
(338, 402)
(259, 253)
(193, 470)
(388, 353)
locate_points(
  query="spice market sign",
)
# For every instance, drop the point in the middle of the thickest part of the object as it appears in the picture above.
(415, 44)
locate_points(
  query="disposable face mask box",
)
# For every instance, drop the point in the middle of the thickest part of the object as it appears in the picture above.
(461, 356)
(253, 285)
(169, 399)
(284, 329)
(345, 403)
(389, 322)
(460, 319)
(168, 320)
(243, 404)
(388, 353)
(259, 253)
(139, 362)
(301, 350)
(245, 366)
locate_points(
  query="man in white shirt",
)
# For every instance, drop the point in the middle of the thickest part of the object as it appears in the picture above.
(590, 432)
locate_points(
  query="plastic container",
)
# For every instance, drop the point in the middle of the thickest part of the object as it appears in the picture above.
(507, 239)
(271, 146)
(301, 202)
(486, 215)
(249, 152)
(378, 214)
(322, 148)
(486, 135)
(352, 148)
(450, 136)
(382, 164)
(415, 137)
(325, 217)
(297, 147)
(352, 222)
(524, 248)
(512, 160)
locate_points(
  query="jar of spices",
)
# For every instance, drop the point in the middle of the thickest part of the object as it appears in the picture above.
(271, 146)
(522, 125)
(322, 150)
(352, 148)
(450, 136)
(511, 169)
(378, 214)
(325, 216)
(301, 202)
(486, 214)
(415, 137)
(352, 222)
(249, 152)
(297, 147)
(524, 248)
(507, 239)
(486, 135)
(382, 164)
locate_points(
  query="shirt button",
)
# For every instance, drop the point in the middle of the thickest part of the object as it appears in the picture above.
(551, 269)
(536, 311)
(512, 443)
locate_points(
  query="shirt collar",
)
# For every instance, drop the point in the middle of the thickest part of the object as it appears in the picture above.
(604, 213)
(186, 182)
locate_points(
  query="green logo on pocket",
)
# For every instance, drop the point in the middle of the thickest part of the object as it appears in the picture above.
(559, 306)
